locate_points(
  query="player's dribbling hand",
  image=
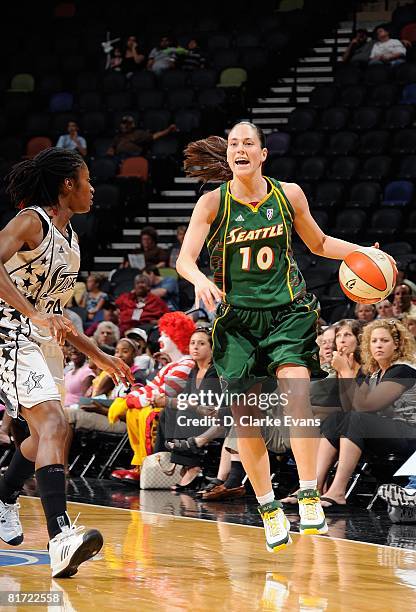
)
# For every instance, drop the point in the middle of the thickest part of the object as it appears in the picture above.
(209, 293)
(376, 245)
(116, 368)
(58, 326)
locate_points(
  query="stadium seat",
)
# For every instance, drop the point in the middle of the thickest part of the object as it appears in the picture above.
(364, 195)
(100, 146)
(283, 168)
(46, 64)
(103, 170)
(342, 143)
(107, 197)
(406, 73)
(247, 39)
(276, 40)
(90, 101)
(203, 78)
(65, 10)
(301, 119)
(365, 118)
(398, 193)
(307, 143)
(187, 120)
(211, 98)
(346, 75)
(173, 79)
(407, 168)
(73, 64)
(10, 149)
(37, 124)
(113, 82)
(375, 168)
(232, 77)
(333, 119)
(23, 83)
(384, 95)
(253, 59)
(385, 222)
(143, 80)
(219, 41)
(118, 101)
(410, 225)
(150, 99)
(165, 147)
(328, 194)
(278, 143)
(322, 97)
(349, 223)
(226, 58)
(50, 83)
(343, 168)
(398, 117)
(36, 145)
(374, 142)
(156, 120)
(94, 123)
(180, 98)
(404, 141)
(134, 167)
(351, 96)
(311, 169)
(409, 94)
(376, 75)
(409, 32)
(87, 81)
(61, 102)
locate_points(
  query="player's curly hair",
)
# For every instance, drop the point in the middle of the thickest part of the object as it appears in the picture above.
(405, 344)
(179, 327)
(39, 180)
(206, 159)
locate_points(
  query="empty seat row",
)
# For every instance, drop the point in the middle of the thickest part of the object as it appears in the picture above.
(375, 142)
(349, 74)
(354, 96)
(345, 168)
(360, 119)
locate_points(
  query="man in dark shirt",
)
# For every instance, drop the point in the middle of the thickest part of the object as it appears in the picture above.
(131, 141)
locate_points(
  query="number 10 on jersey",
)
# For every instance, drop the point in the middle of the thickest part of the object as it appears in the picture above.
(264, 259)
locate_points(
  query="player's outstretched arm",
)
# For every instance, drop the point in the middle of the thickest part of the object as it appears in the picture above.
(27, 229)
(310, 232)
(204, 213)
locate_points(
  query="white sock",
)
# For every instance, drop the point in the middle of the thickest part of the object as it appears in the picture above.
(266, 499)
(308, 484)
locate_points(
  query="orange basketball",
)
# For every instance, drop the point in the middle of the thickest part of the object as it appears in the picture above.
(367, 275)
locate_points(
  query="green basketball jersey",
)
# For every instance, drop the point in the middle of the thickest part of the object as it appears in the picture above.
(250, 250)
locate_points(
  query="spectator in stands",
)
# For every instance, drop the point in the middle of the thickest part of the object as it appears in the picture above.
(384, 309)
(94, 299)
(359, 49)
(72, 140)
(163, 57)
(142, 405)
(410, 324)
(402, 303)
(166, 287)
(139, 307)
(386, 50)
(154, 255)
(325, 394)
(78, 380)
(194, 58)
(383, 415)
(365, 312)
(132, 141)
(144, 359)
(107, 335)
(326, 343)
(174, 251)
(115, 61)
(134, 58)
(110, 313)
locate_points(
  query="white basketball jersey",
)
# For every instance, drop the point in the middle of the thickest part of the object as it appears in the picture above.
(46, 276)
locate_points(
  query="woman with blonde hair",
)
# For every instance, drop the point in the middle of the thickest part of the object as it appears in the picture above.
(383, 415)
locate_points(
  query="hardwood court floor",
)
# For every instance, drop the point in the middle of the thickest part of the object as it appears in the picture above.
(155, 562)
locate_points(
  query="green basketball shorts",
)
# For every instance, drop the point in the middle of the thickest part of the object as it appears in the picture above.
(249, 345)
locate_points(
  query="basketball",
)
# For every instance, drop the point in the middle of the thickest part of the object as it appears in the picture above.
(367, 275)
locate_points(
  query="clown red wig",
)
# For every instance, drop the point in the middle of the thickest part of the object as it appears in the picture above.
(179, 327)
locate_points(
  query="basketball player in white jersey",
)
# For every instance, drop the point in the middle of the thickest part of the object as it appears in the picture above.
(39, 263)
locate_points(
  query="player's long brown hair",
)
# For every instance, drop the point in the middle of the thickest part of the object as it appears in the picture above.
(206, 159)
(406, 345)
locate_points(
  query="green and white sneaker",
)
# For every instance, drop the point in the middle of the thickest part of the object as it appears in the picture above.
(276, 526)
(312, 517)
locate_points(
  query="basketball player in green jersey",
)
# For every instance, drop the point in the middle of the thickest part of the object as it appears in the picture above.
(266, 322)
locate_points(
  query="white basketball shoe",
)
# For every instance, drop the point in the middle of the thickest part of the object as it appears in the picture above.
(11, 530)
(71, 547)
